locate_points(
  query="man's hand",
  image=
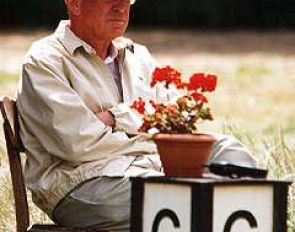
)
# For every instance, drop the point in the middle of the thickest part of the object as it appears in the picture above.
(107, 118)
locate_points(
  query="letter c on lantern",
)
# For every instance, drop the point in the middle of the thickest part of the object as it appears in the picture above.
(241, 214)
(162, 214)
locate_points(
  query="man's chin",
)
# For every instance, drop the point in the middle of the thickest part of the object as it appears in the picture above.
(117, 32)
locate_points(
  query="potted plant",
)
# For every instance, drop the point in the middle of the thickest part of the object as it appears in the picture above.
(173, 125)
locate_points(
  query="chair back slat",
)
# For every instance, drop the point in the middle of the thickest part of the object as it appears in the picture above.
(9, 113)
(14, 147)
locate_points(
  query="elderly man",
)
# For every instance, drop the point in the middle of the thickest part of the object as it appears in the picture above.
(77, 86)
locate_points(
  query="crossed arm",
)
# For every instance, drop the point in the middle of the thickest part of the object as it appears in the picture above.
(107, 118)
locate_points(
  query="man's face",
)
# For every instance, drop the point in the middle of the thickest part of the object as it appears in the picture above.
(105, 19)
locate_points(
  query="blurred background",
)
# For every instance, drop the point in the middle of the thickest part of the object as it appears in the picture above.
(249, 44)
(204, 14)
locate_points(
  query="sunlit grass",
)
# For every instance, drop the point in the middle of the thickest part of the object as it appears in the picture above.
(7, 77)
(8, 84)
(7, 222)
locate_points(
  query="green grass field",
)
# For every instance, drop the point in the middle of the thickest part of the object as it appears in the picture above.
(254, 100)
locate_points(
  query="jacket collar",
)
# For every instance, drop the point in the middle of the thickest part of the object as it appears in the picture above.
(71, 42)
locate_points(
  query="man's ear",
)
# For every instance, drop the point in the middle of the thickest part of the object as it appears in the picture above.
(74, 6)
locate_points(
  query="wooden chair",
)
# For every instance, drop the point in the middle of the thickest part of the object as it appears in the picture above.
(14, 147)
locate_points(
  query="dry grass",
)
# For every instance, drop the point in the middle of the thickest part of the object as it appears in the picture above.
(254, 99)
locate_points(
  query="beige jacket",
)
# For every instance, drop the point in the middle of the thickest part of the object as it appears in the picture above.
(63, 84)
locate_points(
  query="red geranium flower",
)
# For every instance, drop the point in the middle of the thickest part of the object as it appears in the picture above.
(167, 75)
(199, 97)
(210, 83)
(139, 105)
(196, 81)
(153, 104)
(203, 82)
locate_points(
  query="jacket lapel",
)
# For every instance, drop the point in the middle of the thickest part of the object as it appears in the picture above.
(135, 79)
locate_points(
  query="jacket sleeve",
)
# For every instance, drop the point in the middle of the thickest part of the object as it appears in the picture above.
(56, 115)
(126, 119)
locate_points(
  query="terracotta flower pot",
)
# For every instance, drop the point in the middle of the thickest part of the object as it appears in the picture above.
(183, 155)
